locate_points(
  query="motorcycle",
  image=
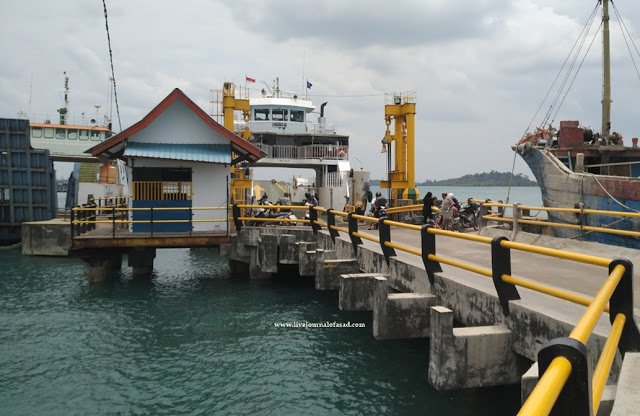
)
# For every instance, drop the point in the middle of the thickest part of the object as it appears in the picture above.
(381, 212)
(469, 214)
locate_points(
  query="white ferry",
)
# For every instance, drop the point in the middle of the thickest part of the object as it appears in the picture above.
(283, 126)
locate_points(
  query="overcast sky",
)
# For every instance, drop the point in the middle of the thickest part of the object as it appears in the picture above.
(479, 68)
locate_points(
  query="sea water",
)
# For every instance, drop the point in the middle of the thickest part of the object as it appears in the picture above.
(193, 341)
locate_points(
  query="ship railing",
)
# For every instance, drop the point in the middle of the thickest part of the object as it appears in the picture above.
(332, 179)
(314, 151)
(318, 151)
(88, 217)
(565, 386)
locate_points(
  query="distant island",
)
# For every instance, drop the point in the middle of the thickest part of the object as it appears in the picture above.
(492, 178)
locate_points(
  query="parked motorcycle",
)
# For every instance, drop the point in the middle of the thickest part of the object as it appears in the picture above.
(469, 214)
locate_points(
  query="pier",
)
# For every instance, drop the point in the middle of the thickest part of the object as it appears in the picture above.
(493, 311)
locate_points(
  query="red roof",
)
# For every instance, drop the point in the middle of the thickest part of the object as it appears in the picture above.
(239, 145)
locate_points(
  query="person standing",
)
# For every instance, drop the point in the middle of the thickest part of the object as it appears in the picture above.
(427, 208)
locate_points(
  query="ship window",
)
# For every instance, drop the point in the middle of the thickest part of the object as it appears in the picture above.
(84, 135)
(261, 114)
(72, 134)
(48, 133)
(61, 133)
(280, 114)
(297, 115)
(36, 132)
(95, 135)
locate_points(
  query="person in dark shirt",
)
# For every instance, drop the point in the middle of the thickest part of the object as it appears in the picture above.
(427, 207)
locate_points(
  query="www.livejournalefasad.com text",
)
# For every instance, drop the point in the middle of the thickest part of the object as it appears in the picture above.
(326, 324)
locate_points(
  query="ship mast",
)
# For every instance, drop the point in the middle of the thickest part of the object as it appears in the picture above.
(606, 72)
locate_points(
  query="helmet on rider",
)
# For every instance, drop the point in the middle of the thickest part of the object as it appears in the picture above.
(449, 195)
(378, 194)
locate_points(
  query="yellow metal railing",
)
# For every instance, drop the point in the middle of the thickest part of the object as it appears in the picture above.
(577, 211)
(552, 381)
(85, 218)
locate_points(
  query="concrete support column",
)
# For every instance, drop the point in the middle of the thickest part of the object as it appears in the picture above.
(328, 274)
(288, 253)
(268, 253)
(255, 271)
(238, 268)
(140, 259)
(321, 256)
(469, 357)
(102, 264)
(307, 258)
(357, 291)
(400, 315)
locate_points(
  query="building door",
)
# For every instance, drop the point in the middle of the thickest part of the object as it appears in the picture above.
(161, 189)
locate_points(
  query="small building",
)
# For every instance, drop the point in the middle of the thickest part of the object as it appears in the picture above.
(178, 157)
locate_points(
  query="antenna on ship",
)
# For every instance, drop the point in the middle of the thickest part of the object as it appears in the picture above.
(606, 72)
(64, 110)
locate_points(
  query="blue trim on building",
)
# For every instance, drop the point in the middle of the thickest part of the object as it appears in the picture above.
(210, 153)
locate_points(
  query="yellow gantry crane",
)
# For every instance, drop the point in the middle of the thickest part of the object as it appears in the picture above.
(401, 109)
(241, 181)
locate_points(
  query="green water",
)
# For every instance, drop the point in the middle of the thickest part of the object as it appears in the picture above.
(191, 341)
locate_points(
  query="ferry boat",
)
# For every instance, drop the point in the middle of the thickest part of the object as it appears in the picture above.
(283, 126)
(576, 167)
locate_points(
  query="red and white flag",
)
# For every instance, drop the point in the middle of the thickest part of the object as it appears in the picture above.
(249, 79)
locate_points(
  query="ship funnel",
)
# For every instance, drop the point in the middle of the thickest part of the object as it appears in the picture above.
(322, 108)
(321, 120)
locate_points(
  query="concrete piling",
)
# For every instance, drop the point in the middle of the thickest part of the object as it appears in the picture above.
(288, 250)
(268, 253)
(356, 291)
(307, 258)
(330, 270)
(400, 315)
(469, 357)
(140, 259)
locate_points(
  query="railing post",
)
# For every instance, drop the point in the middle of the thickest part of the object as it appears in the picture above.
(331, 221)
(236, 217)
(83, 225)
(72, 223)
(313, 217)
(515, 214)
(353, 228)
(622, 302)
(384, 231)
(151, 219)
(484, 210)
(500, 265)
(113, 221)
(575, 398)
(429, 247)
(190, 221)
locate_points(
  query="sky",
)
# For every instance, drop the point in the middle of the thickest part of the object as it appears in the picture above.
(479, 68)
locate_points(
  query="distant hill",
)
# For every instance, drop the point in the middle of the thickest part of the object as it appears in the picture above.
(492, 178)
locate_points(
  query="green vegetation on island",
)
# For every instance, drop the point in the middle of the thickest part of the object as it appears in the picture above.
(492, 178)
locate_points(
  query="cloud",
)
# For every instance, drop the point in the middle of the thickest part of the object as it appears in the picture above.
(479, 68)
(360, 23)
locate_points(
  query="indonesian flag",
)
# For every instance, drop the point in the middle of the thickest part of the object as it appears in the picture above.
(249, 79)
